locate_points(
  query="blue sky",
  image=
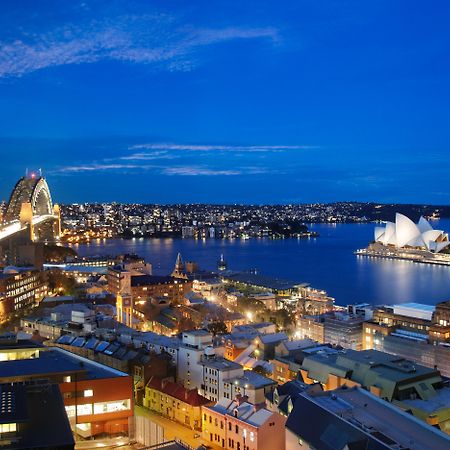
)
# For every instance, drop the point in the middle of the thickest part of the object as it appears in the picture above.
(208, 101)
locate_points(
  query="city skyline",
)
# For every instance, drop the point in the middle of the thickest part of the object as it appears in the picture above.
(247, 103)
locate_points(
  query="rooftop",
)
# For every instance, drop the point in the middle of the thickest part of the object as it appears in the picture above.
(253, 379)
(263, 281)
(55, 360)
(189, 396)
(39, 412)
(333, 419)
(245, 412)
(148, 280)
(219, 363)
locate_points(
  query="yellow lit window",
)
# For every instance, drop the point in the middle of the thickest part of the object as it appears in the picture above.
(8, 427)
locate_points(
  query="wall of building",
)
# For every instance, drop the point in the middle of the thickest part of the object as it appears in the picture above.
(103, 404)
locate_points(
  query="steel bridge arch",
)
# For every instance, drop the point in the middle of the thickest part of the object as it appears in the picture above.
(30, 190)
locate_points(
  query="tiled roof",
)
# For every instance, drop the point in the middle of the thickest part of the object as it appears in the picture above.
(175, 390)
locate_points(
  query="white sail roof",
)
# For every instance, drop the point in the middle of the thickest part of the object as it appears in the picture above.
(405, 233)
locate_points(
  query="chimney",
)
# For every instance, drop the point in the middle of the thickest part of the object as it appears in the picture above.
(239, 399)
(257, 407)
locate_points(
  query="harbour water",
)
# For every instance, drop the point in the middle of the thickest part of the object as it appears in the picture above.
(326, 262)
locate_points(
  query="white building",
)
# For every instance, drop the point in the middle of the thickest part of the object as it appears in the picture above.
(405, 233)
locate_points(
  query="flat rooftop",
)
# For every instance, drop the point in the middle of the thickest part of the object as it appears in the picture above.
(417, 306)
(244, 412)
(220, 363)
(263, 281)
(54, 360)
(254, 379)
(381, 419)
(39, 412)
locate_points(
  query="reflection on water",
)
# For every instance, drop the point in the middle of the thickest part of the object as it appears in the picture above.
(327, 262)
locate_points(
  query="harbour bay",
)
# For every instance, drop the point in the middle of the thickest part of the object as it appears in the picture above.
(327, 262)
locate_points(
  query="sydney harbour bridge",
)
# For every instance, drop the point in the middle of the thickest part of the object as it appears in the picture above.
(30, 216)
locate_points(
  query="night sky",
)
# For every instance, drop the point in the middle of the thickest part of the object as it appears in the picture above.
(225, 102)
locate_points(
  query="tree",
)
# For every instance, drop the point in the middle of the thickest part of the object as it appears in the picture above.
(57, 253)
(217, 328)
(61, 284)
(261, 370)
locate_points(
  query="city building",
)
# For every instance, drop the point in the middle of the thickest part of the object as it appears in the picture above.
(148, 286)
(140, 363)
(355, 419)
(336, 327)
(20, 288)
(410, 386)
(32, 416)
(97, 398)
(420, 333)
(287, 359)
(175, 402)
(284, 396)
(67, 318)
(252, 385)
(239, 425)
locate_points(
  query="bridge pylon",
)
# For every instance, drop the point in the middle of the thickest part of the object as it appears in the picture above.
(26, 218)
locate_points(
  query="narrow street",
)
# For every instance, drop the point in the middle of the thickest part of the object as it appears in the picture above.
(174, 430)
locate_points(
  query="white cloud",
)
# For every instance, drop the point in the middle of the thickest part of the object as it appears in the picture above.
(96, 167)
(143, 156)
(194, 171)
(147, 39)
(206, 147)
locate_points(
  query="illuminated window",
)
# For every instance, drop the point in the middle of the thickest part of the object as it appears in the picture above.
(108, 407)
(8, 427)
(67, 379)
(88, 393)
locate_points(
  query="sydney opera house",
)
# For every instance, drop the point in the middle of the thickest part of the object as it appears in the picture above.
(404, 233)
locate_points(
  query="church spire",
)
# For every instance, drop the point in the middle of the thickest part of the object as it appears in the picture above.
(178, 271)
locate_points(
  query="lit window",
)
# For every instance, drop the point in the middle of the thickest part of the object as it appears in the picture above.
(108, 407)
(88, 393)
(8, 427)
(67, 379)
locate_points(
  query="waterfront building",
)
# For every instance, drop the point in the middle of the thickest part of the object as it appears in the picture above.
(410, 386)
(355, 419)
(33, 417)
(97, 398)
(404, 233)
(20, 288)
(239, 425)
(261, 282)
(175, 402)
(267, 299)
(312, 301)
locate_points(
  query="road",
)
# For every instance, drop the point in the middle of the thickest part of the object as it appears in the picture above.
(174, 430)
